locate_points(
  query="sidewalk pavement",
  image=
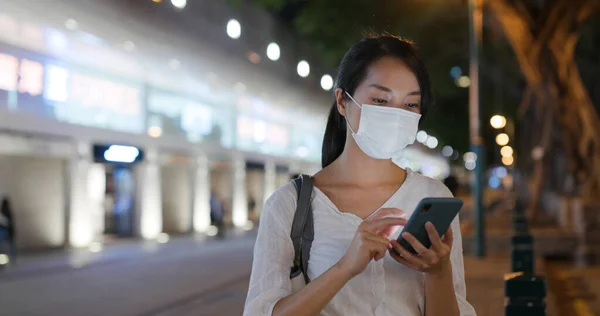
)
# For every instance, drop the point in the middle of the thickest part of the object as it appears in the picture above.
(177, 278)
(485, 285)
(137, 281)
(575, 288)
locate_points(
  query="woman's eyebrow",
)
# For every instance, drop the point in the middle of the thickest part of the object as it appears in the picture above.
(380, 87)
(386, 89)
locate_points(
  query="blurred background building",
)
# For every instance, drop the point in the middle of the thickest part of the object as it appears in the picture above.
(120, 117)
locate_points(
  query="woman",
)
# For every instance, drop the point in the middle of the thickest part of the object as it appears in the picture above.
(7, 228)
(382, 91)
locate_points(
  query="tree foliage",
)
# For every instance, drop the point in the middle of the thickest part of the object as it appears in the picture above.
(544, 36)
(440, 30)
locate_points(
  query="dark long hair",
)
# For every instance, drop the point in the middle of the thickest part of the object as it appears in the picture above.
(351, 73)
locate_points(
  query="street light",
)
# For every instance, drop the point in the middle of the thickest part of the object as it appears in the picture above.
(470, 156)
(273, 52)
(432, 142)
(234, 29)
(326, 82)
(507, 161)
(463, 81)
(498, 121)
(179, 4)
(502, 139)
(506, 151)
(303, 69)
(447, 151)
(422, 136)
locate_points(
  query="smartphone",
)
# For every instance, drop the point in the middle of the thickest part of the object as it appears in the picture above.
(439, 211)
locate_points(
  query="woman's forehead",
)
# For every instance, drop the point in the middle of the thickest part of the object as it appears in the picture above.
(391, 73)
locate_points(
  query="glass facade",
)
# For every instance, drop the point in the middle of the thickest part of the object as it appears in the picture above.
(40, 85)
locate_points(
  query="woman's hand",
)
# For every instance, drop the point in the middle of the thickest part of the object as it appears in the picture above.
(370, 242)
(433, 260)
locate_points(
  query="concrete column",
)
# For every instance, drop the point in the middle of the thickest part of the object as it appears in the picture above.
(148, 201)
(5, 176)
(201, 204)
(240, 196)
(97, 195)
(81, 219)
(282, 178)
(36, 187)
(270, 180)
(176, 198)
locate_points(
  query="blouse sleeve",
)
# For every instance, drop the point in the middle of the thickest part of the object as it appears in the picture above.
(456, 258)
(273, 254)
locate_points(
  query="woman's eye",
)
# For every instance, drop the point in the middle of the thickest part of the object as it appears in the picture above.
(378, 101)
(413, 105)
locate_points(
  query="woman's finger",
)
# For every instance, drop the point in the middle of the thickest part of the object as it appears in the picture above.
(386, 212)
(376, 238)
(377, 249)
(403, 261)
(408, 256)
(378, 225)
(448, 237)
(377, 244)
(427, 255)
(436, 240)
(415, 243)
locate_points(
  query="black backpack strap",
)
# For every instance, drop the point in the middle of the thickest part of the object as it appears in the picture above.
(303, 232)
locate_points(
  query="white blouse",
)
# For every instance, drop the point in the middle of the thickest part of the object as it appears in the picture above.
(384, 288)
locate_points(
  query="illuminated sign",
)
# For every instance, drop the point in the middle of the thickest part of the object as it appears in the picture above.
(119, 154)
(278, 135)
(9, 70)
(32, 77)
(95, 92)
(196, 118)
(57, 79)
(91, 101)
(184, 117)
(262, 132)
(124, 154)
(69, 96)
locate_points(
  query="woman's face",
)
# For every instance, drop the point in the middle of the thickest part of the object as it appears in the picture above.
(389, 82)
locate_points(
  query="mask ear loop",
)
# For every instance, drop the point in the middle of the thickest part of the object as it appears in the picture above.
(345, 116)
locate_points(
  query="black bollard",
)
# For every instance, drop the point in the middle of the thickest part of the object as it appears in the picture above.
(520, 225)
(525, 295)
(524, 291)
(522, 259)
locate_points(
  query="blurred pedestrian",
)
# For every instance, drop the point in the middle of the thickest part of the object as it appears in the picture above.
(382, 91)
(251, 204)
(7, 229)
(217, 213)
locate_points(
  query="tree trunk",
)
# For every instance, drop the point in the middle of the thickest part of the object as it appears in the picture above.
(545, 46)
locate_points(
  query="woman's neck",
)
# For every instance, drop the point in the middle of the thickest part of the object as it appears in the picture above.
(355, 167)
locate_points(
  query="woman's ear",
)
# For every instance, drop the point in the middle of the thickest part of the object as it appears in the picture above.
(340, 101)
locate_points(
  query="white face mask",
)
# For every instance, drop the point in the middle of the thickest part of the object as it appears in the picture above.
(384, 131)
